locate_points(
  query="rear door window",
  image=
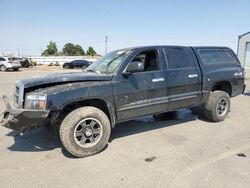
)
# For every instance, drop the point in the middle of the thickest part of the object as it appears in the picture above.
(216, 56)
(178, 58)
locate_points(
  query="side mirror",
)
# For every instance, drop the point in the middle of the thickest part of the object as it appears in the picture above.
(135, 66)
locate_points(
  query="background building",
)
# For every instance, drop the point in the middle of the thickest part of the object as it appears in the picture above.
(46, 60)
(243, 51)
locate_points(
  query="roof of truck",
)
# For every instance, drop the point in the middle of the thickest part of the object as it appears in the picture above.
(158, 46)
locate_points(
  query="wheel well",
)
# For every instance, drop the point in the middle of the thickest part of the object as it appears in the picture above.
(223, 86)
(98, 103)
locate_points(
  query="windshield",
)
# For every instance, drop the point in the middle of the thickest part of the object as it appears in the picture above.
(109, 63)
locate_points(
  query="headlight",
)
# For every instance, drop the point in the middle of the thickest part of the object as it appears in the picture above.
(35, 102)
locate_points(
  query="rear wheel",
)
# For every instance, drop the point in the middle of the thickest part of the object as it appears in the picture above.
(85, 131)
(15, 69)
(3, 68)
(217, 106)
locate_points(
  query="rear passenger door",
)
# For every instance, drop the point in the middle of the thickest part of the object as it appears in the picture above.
(183, 77)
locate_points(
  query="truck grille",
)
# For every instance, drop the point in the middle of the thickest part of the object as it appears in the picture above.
(16, 100)
(17, 89)
(18, 95)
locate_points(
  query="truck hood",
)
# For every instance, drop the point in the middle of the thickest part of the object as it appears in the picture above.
(64, 78)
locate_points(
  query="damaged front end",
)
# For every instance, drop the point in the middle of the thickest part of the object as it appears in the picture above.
(21, 119)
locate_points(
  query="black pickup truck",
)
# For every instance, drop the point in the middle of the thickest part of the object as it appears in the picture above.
(123, 85)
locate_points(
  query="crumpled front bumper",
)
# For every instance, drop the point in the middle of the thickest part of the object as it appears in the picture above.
(21, 119)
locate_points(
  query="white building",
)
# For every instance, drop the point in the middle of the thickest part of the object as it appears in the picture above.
(42, 60)
(243, 51)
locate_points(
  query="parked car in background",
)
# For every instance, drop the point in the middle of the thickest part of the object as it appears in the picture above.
(25, 62)
(7, 63)
(77, 64)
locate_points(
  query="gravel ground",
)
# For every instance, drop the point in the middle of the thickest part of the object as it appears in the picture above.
(180, 151)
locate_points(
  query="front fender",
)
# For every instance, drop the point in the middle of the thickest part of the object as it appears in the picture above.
(77, 92)
(83, 94)
(60, 99)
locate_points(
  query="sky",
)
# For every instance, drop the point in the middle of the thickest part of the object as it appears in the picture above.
(27, 26)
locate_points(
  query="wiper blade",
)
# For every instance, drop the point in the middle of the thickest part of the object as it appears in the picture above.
(90, 70)
(95, 71)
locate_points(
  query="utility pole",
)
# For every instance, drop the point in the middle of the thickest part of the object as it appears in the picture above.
(106, 44)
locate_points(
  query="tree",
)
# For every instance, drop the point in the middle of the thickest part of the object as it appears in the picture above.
(51, 49)
(91, 51)
(71, 49)
(68, 49)
(59, 53)
(79, 50)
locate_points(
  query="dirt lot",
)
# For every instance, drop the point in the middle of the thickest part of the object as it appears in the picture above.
(183, 151)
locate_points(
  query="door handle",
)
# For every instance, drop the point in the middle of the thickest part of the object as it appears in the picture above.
(158, 80)
(192, 75)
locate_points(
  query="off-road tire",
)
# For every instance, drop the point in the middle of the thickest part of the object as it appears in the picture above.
(69, 123)
(211, 105)
(3, 68)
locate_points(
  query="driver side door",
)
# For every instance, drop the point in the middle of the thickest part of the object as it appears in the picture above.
(142, 93)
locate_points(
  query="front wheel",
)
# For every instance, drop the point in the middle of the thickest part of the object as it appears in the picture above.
(85, 131)
(217, 106)
(3, 68)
